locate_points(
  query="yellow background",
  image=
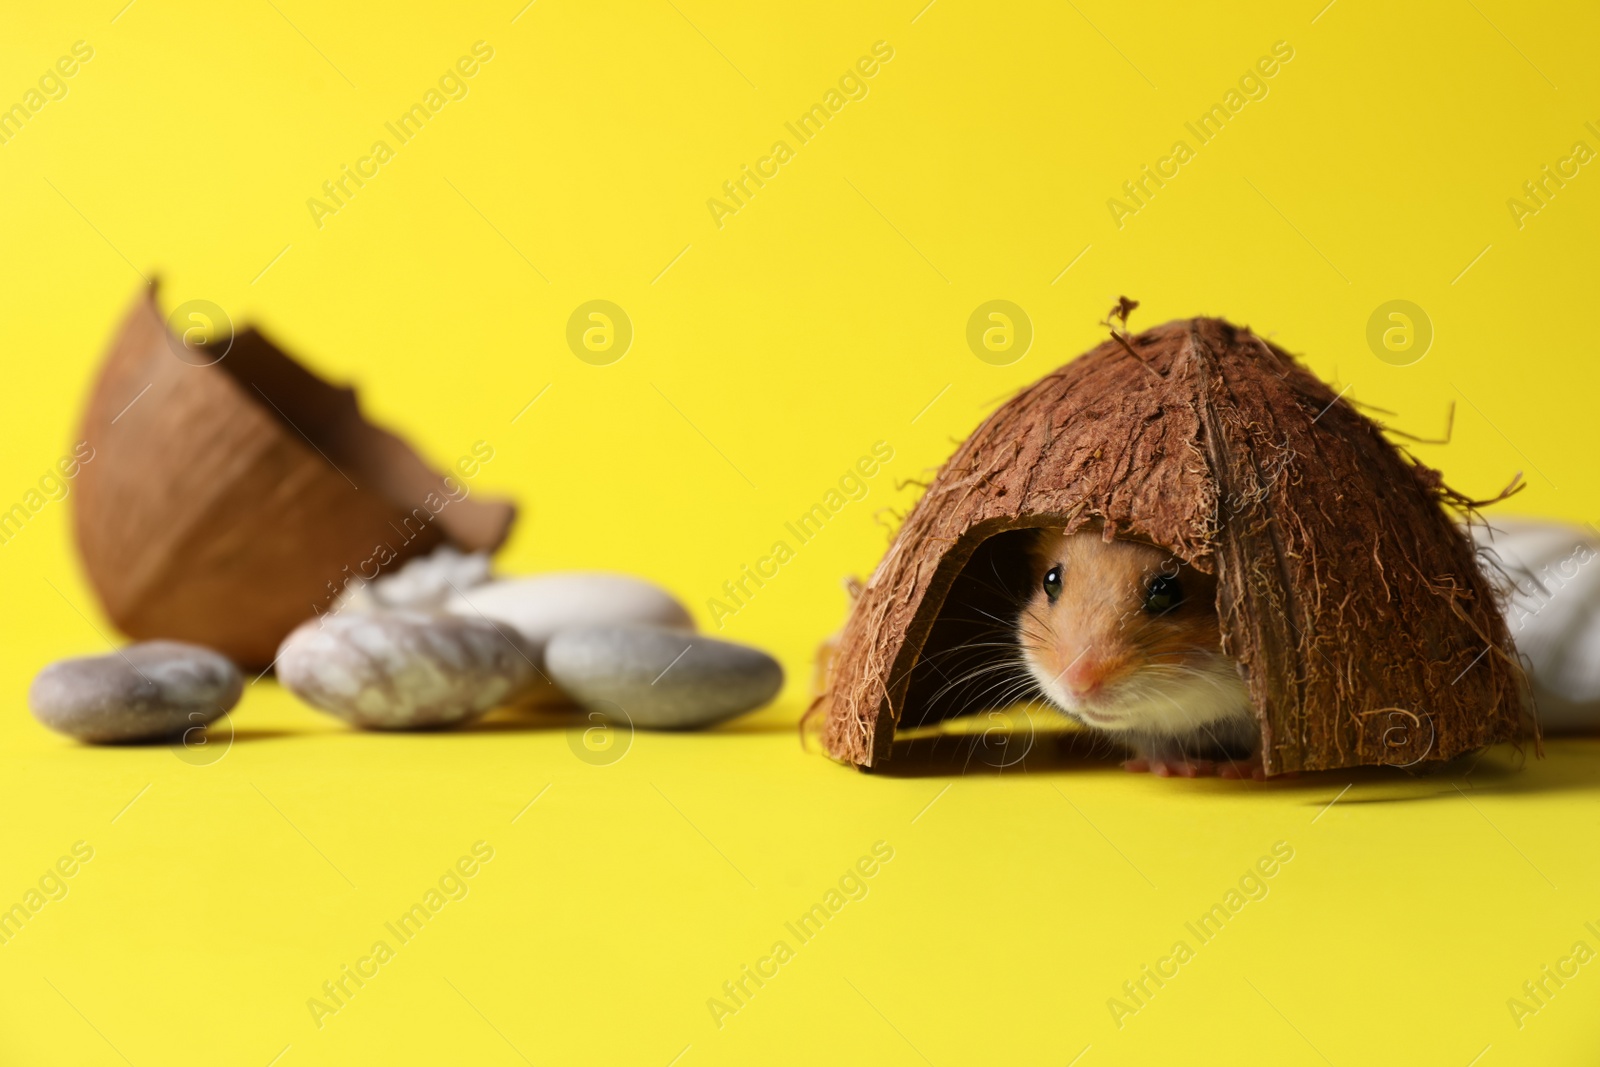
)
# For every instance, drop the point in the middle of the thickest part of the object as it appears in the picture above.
(829, 313)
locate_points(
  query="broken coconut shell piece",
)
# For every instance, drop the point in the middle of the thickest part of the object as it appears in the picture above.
(1351, 600)
(233, 492)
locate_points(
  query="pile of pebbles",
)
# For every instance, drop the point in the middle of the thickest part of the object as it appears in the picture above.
(436, 644)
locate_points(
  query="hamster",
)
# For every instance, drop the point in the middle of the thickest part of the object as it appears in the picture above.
(1123, 638)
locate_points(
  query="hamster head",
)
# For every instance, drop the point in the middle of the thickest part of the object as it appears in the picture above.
(1125, 639)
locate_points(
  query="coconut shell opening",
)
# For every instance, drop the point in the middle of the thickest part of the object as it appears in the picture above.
(231, 492)
(1347, 592)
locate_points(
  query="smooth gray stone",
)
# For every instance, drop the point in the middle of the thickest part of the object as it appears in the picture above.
(661, 678)
(542, 605)
(403, 670)
(151, 690)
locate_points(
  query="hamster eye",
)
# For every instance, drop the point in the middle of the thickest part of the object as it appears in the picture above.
(1052, 583)
(1162, 595)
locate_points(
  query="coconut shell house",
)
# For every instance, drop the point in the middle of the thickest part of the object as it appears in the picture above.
(1348, 593)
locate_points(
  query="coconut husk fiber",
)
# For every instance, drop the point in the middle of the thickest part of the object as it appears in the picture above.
(1347, 592)
(228, 502)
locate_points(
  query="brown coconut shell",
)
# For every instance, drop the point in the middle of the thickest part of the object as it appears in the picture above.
(1349, 595)
(225, 504)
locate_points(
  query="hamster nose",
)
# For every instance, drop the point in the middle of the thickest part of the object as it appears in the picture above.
(1085, 676)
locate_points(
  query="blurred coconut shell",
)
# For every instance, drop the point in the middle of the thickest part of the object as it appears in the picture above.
(1351, 600)
(226, 503)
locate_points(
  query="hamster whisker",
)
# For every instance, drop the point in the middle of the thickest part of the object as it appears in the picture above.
(1005, 669)
(1002, 642)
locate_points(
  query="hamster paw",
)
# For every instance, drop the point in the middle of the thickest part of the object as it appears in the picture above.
(1171, 767)
(1186, 767)
(1244, 768)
